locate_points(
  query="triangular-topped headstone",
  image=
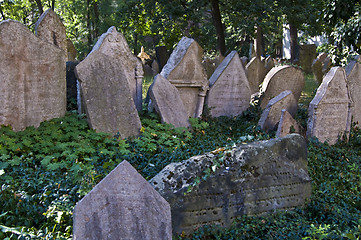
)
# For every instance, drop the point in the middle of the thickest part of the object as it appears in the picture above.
(255, 73)
(287, 124)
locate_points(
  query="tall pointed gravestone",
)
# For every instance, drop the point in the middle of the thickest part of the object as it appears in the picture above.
(229, 93)
(185, 71)
(33, 78)
(122, 206)
(353, 72)
(328, 116)
(255, 73)
(280, 79)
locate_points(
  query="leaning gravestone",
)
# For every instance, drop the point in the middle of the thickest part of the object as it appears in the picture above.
(279, 79)
(168, 103)
(122, 206)
(287, 124)
(185, 71)
(272, 113)
(252, 179)
(33, 78)
(108, 99)
(50, 29)
(255, 73)
(328, 116)
(229, 93)
(353, 73)
(114, 45)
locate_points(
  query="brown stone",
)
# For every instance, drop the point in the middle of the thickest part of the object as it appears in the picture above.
(353, 73)
(255, 73)
(33, 78)
(229, 93)
(269, 64)
(287, 124)
(122, 206)
(317, 70)
(71, 51)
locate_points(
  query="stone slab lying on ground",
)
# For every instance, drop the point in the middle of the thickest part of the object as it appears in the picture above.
(252, 179)
(287, 124)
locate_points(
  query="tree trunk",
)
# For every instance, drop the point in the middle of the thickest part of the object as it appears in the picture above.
(2, 13)
(217, 21)
(259, 42)
(135, 49)
(53, 5)
(40, 6)
(294, 43)
(96, 20)
(88, 25)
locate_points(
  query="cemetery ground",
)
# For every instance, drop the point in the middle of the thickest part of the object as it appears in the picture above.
(44, 172)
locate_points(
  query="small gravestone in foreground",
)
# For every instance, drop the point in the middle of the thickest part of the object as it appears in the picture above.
(252, 179)
(353, 72)
(287, 124)
(122, 206)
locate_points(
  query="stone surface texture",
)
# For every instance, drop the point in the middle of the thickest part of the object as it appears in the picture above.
(72, 52)
(269, 64)
(168, 103)
(185, 71)
(317, 70)
(272, 113)
(122, 206)
(307, 55)
(255, 73)
(287, 124)
(108, 99)
(114, 45)
(33, 78)
(328, 115)
(229, 93)
(279, 79)
(253, 179)
(353, 73)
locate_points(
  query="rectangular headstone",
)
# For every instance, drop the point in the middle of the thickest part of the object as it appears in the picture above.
(122, 206)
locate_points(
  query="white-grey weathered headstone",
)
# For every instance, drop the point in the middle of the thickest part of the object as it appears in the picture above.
(353, 73)
(255, 73)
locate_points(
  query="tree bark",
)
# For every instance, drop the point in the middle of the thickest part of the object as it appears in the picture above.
(88, 25)
(294, 43)
(96, 20)
(53, 5)
(2, 13)
(40, 6)
(259, 42)
(217, 21)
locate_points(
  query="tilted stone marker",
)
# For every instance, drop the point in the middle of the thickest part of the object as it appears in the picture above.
(255, 73)
(253, 179)
(33, 78)
(272, 113)
(229, 93)
(50, 29)
(168, 103)
(279, 79)
(287, 124)
(328, 116)
(114, 45)
(122, 206)
(353, 73)
(185, 71)
(108, 99)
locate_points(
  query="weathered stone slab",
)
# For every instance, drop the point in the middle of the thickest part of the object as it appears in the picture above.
(255, 73)
(287, 124)
(185, 71)
(328, 111)
(269, 64)
(252, 179)
(114, 45)
(108, 99)
(272, 113)
(353, 73)
(229, 93)
(209, 66)
(168, 103)
(33, 78)
(307, 55)
(317, 70)
(279, 79)
(50, 29)
(122, 206)
(155, 67)
(244, 61)
(72, 52)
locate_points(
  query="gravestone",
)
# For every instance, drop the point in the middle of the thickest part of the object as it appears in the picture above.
(162, 56)
(279, 79)
(328, 116)
(185, 71)
(122, 206)
(272, 113)
(71, 51)
(209, 66)
(253, 179)
(108, 99)
(287, 124)
(50, 29)
(114, 45)
(353, 73)
(317, 70)
(155, 67)
(229, 93)
(168, 103)
(307, 55)
(255, 73)
(244, 61)
(33, 78)
(269, 64)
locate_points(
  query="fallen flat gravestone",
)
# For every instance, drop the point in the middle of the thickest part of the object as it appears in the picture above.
(256, 72)
(287, 124)
(280, 79)
(353, 73)
(168, 103)
(122, 206)
(250, 179)
(185, 71)
(229, 93)
(109, 105)
(328, 115)
(33, 78)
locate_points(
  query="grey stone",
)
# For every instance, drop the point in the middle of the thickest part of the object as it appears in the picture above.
(168, 103)
(353, 73)
(272, 113)
(307, 55)
(244, 61)
(252, 179)
(185, 71)
(255, 73)
(33, 78)
(108, 99)
(328, 115)
(122, 206)
(279, 79)
(287, 124)
(229, 93)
